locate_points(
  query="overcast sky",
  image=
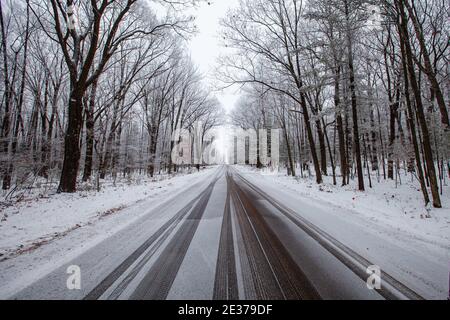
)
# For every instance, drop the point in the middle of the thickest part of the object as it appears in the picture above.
(205, 46)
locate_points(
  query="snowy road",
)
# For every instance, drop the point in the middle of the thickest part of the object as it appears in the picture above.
(222, 238)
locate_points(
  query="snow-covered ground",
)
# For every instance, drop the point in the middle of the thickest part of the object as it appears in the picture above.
(37, 234)
(386, 224)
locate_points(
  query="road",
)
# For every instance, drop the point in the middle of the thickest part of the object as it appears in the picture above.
(230, 240)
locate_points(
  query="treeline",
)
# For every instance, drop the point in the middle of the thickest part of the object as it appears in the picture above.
(95, 89)
(361, 87)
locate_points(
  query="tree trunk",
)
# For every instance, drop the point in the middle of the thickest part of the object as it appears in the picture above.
(330, 152)
(310, 137)
(340, 128)
(428, 153)
(291, 162)
(90, 123)
(71, 161)
(374, 151)
(359, 169)
(6, 123)
(412, 128)
(428, 67)
(323, 150)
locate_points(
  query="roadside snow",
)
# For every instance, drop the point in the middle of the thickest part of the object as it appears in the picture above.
(36, 220)
(386, 224)
(104, 239)
(39, 236)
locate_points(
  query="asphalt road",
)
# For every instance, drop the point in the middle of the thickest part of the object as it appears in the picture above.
(231, 240)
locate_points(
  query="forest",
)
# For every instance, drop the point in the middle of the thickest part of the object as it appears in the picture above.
(359, 88)
(96, 89)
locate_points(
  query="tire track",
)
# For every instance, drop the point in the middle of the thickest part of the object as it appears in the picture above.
(248, 283)
(148, 255)
(391, 288)
(275, 274)
(225, 283)
(162, 232)
(157, 282)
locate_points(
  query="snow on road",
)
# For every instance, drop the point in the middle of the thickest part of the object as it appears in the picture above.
(41, 234)
(384, 224)
(195, 279)
(101, 231)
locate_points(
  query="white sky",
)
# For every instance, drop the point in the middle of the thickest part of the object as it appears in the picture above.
(205, 47)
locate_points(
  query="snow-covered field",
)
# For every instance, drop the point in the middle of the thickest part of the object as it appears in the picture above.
(386, 224)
